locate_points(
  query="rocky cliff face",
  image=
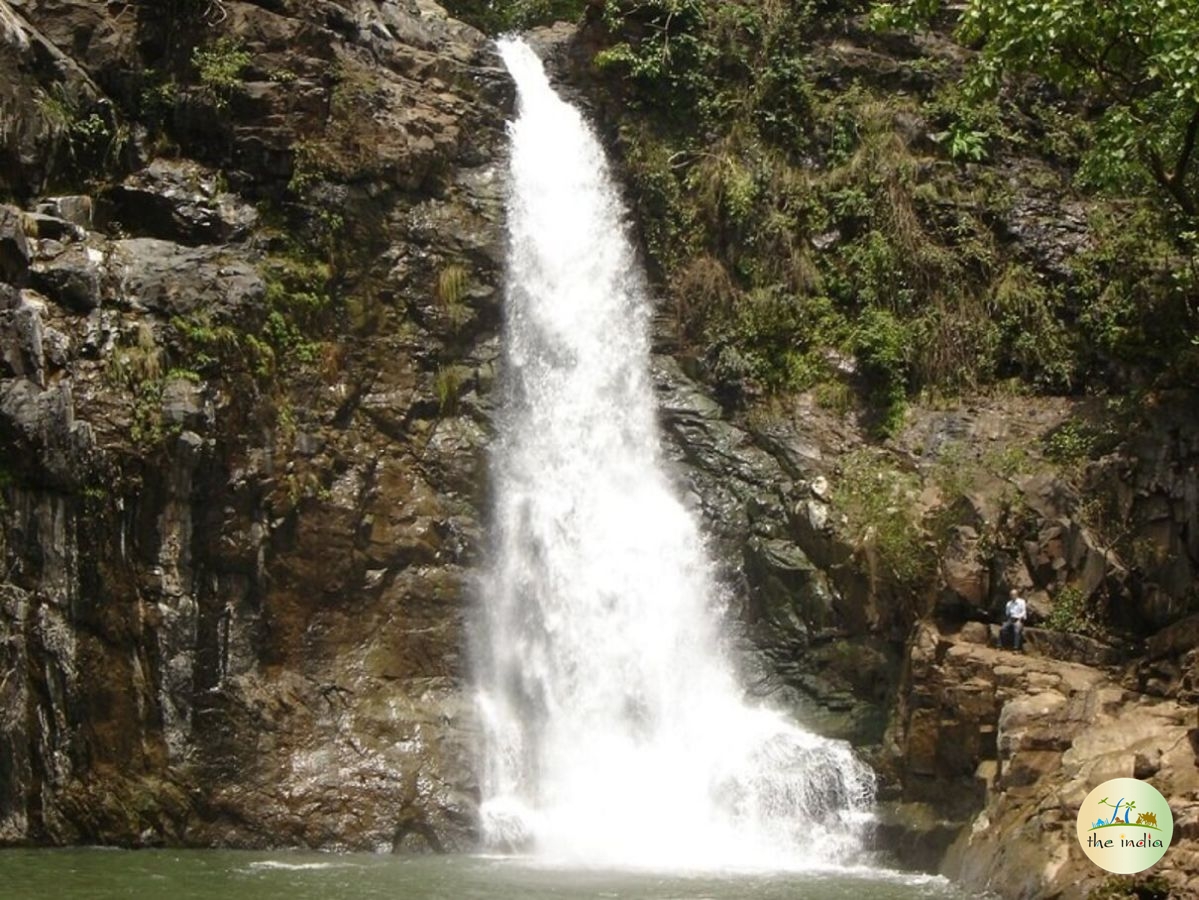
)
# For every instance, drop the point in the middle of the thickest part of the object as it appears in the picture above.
(244, 408)
(249, 269)
(985, 754)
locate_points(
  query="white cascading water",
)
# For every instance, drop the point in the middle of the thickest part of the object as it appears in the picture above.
(615, 733)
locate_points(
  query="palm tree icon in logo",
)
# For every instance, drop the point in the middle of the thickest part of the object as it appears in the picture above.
(1128, 807)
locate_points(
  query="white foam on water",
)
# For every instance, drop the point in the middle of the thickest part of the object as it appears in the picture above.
(276, 865)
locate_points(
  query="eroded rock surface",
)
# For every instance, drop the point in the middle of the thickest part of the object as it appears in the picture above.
(1013, 743)
(243, 412)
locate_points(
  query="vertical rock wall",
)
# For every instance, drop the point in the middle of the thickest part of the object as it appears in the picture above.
(236, 534)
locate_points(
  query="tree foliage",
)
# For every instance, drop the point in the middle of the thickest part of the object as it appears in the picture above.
(1138, 58)
(498, 16)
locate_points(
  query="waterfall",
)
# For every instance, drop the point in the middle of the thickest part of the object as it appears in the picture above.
(614, 730)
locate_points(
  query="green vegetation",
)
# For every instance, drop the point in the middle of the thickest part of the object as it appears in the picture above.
(1132, 887)
(307, 166)
(85, 136)
(498, 16)
(877, 501)
(296, 487)
(793, 227)
(1078, 440)
(1071, 442)
(1072, 613)
(772, 262)
(1008, 462)
(880, 344)
(1138, 296)
(271, 350)
(453, 282)
(94, 494)
(219, 67)
(298, 301)
(138, 368)
(298, 304)
(214, 349)
(159, 96)
(957, 474)
(964, 144)
(447, 385)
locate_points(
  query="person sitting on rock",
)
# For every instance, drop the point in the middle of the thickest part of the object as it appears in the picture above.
(1014, 615)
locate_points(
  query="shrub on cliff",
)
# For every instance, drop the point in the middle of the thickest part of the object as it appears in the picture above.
(879, 517)
(931, 233)
(497, 16)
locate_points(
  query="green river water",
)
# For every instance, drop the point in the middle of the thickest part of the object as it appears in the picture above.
(98, 874)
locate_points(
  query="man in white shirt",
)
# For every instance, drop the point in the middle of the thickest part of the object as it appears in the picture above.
(1014, 615)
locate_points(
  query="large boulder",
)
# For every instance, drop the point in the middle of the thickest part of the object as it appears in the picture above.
(180, 200)
(73, 278)
(171, 280)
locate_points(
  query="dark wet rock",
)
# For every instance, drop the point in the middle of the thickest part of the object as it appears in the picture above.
(21, 344)
(1175, 639)
(567, 51)
(182, 201)
(967, 580)
(41, 425)
(52, 228)
(803, 612)
(794, 594)
(914, 835)
(75, 208)
(185, 405)
(236, 603)
(72, 278)
(14, 248)
(1049, 232)
(57, 348)
(172, 280)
